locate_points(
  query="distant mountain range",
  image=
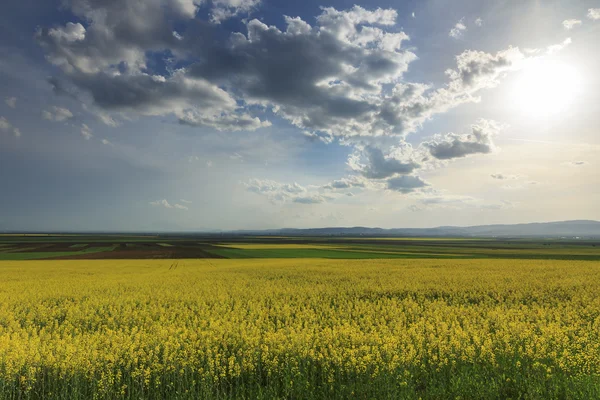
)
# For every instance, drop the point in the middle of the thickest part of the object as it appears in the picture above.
(571, 229)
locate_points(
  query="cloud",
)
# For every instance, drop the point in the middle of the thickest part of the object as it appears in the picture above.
(406, 183)
(281, 192)
(343, 67)
(340, 66)
(86, 132)
(225, 9)
(411, 104)
(69, 33)
(106, 119)
(107, 59)
(558, 47)
(458, 30)
(594, 14)
(578, 163)
(569, 24)
(451, 145)
(106, 142)
(185, 201)
(380, 166)
(479, 22)
(313, 199)
(6, 126)
(503, 177)
(352, 181)
(339, 77)
(164, 203)
(57, 114)
(11, 102)
(276, 192)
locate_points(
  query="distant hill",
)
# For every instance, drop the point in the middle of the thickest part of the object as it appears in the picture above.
(571, 229)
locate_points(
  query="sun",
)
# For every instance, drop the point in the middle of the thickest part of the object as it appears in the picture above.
(546, 88)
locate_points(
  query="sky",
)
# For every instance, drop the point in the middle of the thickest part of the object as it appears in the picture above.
(198, 115)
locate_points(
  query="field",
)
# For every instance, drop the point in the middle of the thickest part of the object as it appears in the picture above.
(241, 247)
(470, 327)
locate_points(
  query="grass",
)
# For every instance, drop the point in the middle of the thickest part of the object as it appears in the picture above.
(300, 329)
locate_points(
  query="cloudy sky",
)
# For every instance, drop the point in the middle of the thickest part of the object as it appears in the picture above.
(245, 114)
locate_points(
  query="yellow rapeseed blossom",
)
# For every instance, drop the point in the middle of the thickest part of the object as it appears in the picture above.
(123, 327)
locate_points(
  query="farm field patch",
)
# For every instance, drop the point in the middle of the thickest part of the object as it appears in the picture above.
(234, 247)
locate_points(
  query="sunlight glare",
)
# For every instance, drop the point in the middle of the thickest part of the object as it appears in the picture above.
(546, 88)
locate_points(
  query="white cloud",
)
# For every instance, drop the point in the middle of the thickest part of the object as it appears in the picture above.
(479, 22)
(11, 102)
(6, 126)
(503, 177)
(69, 33)
(164, 203)
(569, 24)
(107, 120)
(106, 142)
(458, 30)
(282, 193)
(594, 14)
(225, 9)
(185, 201)
(57, 114)
(555, 48)
(86, 132)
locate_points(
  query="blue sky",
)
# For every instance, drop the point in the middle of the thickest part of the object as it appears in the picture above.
(248, 114)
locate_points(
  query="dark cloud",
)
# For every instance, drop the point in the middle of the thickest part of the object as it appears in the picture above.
(380, 167)
(451, 145)
(406, 183)
(347, 183)
(338, 67)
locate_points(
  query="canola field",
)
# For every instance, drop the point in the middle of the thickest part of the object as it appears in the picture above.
(300, 329)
